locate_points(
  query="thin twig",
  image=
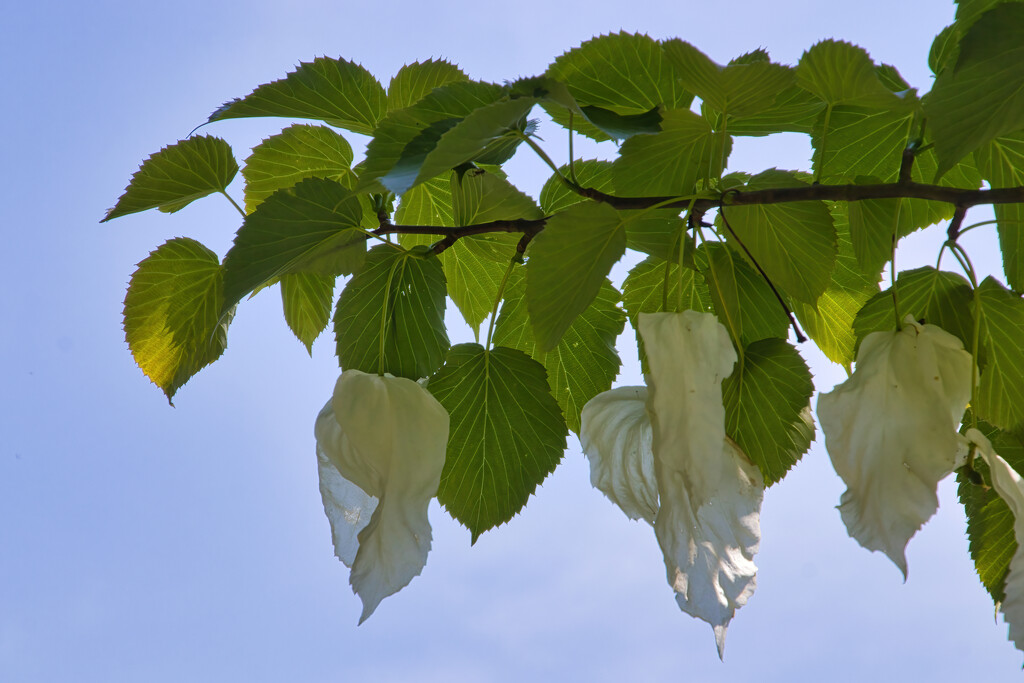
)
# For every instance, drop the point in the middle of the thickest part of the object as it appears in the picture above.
(789, 314)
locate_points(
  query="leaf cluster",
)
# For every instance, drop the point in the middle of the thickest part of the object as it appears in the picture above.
(428, 216)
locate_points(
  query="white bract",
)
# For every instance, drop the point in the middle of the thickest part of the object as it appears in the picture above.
(890, 430)
(1010, 487)
(616, 435)
(381, 445)
(708, 520)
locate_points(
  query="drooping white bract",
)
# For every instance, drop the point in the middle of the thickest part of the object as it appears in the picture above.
(890, 430)
(388, 440)
(615, 433)
(708, 524)
(1010, 487)
(347, 506)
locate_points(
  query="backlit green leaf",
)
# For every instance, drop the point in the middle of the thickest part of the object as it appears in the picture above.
(989, 518)
(860, 142)
(645, 291)
(178, 175)
(172, 320)
(334, 91)
(401, 295)
(1001, 163)
(405, 137)
(795, 243)
(299, 151)
(840, 73)
(585, 361)
(1000, 399)
(507, 433)
(741, 89)
(830, 323)
(982, 97)
(671, 162)
(291, 231)
(569, 260)
(936, 296)
(414, 81)
(795, 111)
(622, 73)
(307, 299)
(742, 300)
(767, 409)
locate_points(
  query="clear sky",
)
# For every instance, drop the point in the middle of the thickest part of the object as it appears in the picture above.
(140, 542)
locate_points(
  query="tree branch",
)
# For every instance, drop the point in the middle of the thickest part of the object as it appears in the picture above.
(962, 198)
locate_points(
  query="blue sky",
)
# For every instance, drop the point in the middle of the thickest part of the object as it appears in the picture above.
(141, 542)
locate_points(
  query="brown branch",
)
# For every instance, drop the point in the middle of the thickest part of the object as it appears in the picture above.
(836, 193)
(962, 198)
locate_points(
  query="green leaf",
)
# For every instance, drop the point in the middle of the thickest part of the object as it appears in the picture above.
(507, 433)
(671, 162)
(767, 410)
(555, 196)
(1001, 163)
(989, 519)
(860, 142)
(1000, 399)
(307, 299)
(982, 97)
(298, 152)
(830, 323)
(177, 175)
(644, 291)
(414, 81)
(935, 296)
(585, 361)
(580, 124)
(620, 72)
(795, 111)
(739, 89)
(335, 91)
(481, 197)
(945, 49)
(840, 73)
(172, 320)
(428, 203)
(291, 231)
(405, 137)
(969, 11)
(795, 243)
(569, 260)
(401, 295)
(873, 221)
(481, 131)
(742, 300)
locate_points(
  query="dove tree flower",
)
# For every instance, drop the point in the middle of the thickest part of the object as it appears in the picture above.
(890, 430)
(661, 454)
(381, 444)
(725, 410)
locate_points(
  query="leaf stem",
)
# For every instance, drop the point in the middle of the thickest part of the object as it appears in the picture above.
(892, 266)
(233, 203)
(547, 160)
(682, 253)
(497, 300)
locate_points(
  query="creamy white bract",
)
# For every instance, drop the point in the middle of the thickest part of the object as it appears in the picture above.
(890, 430)
(381, 445)
(706, 514)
